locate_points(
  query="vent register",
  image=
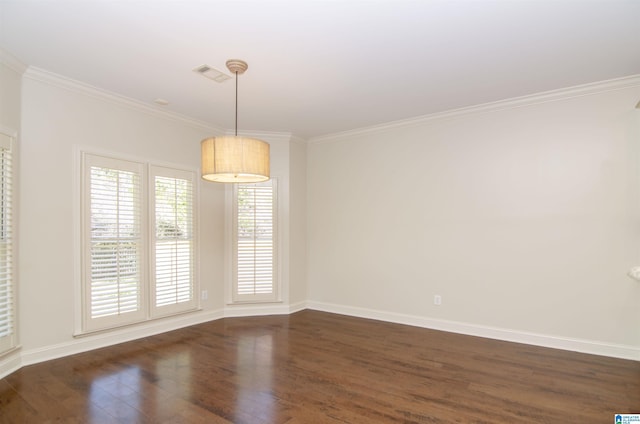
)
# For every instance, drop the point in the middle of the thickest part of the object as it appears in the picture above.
(211, 73)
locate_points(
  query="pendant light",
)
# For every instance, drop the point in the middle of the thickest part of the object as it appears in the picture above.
(233, 159)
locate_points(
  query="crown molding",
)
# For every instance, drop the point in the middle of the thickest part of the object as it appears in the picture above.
(513, 103)
(41, 75)
(12, 62)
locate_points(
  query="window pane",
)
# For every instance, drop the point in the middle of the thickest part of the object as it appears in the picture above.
(174, 241)
(255, 240)
(116, 242)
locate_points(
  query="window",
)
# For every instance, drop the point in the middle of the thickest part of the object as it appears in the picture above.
(254, 249)
(115, 247)
(138, 242)
(8, 337)
(173, 245)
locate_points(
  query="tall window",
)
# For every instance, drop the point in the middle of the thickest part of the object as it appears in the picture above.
(115, 242)
(138, 242)
(8, 338)
(173, 246)
(254, 247)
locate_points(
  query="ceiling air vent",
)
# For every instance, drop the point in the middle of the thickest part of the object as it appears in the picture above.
(211, 73)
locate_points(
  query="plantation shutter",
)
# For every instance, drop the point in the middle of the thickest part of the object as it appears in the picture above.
(114, 242)
(173, 285)
(8, 338)
(255, 241)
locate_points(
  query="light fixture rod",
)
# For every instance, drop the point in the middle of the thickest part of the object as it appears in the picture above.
(237, 67)
(236, 103)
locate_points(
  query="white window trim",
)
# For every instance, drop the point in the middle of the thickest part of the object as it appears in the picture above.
(10, 342)
(230, 235)
(172, 172)
(93, 324)
(79, 151)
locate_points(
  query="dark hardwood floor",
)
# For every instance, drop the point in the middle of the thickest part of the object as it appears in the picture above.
(315, 367)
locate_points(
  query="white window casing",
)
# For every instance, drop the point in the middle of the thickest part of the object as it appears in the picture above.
(255, 244)
(173, 247)
(8, 333)
(138, 242)
(113, 242)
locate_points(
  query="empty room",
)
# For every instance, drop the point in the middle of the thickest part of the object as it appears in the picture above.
(319, 211)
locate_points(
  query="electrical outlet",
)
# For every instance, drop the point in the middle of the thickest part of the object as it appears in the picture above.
(205, 295)
(437, 300)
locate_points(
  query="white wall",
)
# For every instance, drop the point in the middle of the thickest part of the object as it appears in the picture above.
(10, 74)
(524, 217)
(298, 220)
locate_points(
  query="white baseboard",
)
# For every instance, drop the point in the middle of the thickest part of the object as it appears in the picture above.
(10, 362)
(125, 334)
(255, 309)
(261, 309)
(575, 345)
(297, 307)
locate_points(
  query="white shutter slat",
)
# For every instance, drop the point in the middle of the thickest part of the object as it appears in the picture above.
(174, 247)
(8, 337)
(115, 242)
(138, 241)
(254, 241)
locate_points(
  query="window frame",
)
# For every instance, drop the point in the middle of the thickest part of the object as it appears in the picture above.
(149, 170)
(166, 172)
(274, 296)
(88, 323)
(8, 216)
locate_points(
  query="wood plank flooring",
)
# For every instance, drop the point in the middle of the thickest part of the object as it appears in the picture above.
(315, 367)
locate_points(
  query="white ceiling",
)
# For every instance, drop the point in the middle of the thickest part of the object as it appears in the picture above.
(320, 67)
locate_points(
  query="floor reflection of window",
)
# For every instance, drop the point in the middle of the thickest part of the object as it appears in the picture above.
(118, 394)
(254, 373)
(173, 373)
